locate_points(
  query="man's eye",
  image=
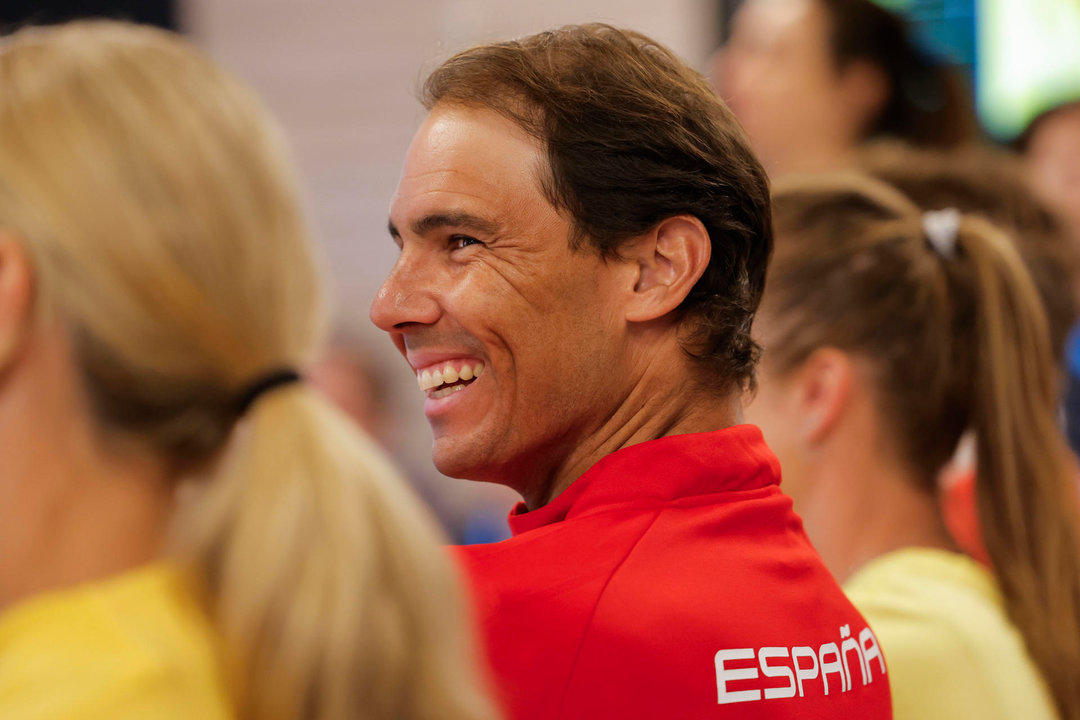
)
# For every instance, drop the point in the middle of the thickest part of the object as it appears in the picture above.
(462, 241)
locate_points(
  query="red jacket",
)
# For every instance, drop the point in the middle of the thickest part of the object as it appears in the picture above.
(672, 580)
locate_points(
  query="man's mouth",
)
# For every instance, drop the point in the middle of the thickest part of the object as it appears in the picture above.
(445, 378)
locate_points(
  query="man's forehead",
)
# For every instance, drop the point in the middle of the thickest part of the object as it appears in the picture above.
(462, 136)
(463, 155)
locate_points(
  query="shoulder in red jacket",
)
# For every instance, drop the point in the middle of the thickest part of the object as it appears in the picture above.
(673, 580)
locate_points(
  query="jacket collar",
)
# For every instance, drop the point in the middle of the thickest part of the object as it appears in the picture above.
(657, 471)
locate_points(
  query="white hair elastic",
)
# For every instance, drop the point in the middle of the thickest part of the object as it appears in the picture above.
(941, 228)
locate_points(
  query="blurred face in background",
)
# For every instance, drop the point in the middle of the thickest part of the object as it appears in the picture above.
(1054, 161)
(778, 74)
(351, 381)
(510, 331)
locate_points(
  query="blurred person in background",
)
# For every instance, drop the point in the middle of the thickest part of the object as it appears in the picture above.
(993, 183)
(892, 338)
(810, 80)
(584, 234)
(187, 530)
(349, 375)
(1051, 147)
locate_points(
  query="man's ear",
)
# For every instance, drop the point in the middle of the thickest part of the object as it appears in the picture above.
(668, 261)
(823, 387)
(16, 296)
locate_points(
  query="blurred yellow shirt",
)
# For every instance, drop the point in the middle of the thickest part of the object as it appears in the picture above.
(950, 649)
(137, 645)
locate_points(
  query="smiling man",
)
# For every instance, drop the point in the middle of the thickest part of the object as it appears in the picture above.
(584, 235)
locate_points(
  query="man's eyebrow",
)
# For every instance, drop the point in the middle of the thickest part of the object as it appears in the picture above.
(463, 220)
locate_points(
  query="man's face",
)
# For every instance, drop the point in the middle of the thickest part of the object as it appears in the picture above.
(487, 287)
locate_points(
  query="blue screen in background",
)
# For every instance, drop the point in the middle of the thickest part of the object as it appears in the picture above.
(946, 28)
(1022, 57)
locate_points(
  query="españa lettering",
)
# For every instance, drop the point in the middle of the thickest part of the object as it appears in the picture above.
(800, 666)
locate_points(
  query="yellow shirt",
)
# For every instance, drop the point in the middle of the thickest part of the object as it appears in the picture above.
(137, 645)
(951, 651)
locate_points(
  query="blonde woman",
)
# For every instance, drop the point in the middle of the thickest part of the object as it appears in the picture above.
(157, 295)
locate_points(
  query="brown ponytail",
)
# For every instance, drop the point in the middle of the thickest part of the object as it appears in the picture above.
(1026, 488)
(959, 341)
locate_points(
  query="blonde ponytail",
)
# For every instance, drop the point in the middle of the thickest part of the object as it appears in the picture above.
(325, 599)
(156, 203)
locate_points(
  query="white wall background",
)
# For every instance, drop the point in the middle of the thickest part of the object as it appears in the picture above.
(342, 75)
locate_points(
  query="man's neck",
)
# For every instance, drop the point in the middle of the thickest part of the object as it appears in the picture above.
(654, 407)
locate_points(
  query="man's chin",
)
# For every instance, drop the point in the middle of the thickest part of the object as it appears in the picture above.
(459, 462)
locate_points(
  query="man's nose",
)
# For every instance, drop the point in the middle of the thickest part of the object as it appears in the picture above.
(407, 296)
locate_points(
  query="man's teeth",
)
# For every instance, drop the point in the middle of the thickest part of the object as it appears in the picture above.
(447, 375)
(444, 391)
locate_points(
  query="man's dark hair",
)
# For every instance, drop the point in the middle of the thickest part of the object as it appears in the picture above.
(633, 136)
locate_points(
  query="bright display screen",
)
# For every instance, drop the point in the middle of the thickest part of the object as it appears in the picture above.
(1028, 61)
(1022, 56)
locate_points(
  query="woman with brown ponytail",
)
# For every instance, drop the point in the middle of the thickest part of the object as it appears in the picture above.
(186, 529)
(892, 338)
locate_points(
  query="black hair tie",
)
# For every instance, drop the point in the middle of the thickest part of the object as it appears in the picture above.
(263, 385)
